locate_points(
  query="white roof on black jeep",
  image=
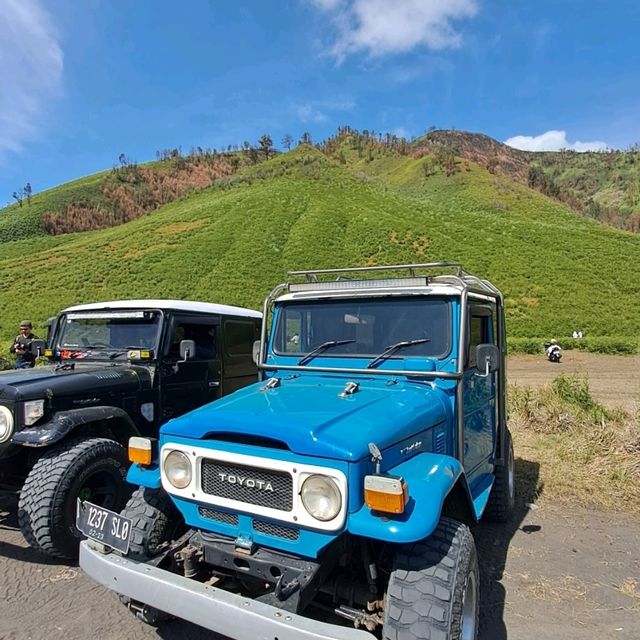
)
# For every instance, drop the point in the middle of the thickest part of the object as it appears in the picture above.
(177, 305)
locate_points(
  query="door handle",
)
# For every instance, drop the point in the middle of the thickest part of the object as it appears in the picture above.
(214, 383)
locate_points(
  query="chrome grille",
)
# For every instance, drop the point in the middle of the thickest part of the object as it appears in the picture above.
(276, 530)
(220, 516)
(252, 485)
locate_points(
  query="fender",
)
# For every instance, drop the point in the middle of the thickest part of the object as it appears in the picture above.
(430, 477)
(63, 422)
(148, 477)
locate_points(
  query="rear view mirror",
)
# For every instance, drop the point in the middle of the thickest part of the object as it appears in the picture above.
(487, 359)
(37, 347)
(255, 352)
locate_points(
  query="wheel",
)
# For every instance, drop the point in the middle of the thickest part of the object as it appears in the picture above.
(93, 469)
(155, 521)
(434, 587)
(502, 500)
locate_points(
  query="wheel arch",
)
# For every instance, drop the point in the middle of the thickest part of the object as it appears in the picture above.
(436, 485)
(105, 421)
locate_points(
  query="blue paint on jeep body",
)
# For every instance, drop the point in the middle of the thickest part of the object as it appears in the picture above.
(307, 414)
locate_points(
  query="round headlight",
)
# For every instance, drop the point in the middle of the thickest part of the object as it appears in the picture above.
(321, 497)
(177, 468)
(6, 424)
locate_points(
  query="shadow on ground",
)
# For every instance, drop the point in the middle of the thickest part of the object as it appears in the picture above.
(9, 521)
(492, 542)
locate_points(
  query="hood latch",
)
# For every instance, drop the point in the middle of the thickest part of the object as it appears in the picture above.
(272, 383)
(349, 389)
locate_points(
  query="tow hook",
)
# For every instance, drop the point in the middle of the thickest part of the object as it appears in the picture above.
(147, 614)
(283, 590)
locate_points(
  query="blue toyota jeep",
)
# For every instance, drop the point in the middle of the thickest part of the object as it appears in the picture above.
(332, 499)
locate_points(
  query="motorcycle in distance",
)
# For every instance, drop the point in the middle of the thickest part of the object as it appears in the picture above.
(553, 351)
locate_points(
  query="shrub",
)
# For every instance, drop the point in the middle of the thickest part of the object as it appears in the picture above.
(586, 452)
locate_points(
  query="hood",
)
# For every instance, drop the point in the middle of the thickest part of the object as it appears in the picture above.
(307, 414)
(32, 383)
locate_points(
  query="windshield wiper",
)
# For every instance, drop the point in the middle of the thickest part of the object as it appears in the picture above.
(391, 349)
(320, 348)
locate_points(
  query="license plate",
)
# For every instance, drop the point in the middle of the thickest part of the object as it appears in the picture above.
(104, 526)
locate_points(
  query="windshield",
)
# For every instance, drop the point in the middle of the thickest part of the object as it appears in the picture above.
(368, 327)
(82, 333)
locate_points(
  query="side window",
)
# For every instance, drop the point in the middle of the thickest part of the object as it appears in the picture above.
(481, 331)
(239, 337)
(202, 333)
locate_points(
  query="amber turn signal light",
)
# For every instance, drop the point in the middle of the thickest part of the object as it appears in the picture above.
(140, 450)
(387, 494)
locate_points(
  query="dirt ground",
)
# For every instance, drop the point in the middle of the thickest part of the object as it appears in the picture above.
(613, 380)
(550, 574)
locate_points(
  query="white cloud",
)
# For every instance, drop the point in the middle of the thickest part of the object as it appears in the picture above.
(309, 113)
(317, 111)
(553, 141)
(381, 27)
(30, 70)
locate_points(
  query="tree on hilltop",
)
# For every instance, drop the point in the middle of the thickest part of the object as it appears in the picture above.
(287, 141)
(266, 145)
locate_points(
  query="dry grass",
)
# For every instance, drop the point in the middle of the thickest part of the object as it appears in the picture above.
(586, 453)
(561, 589)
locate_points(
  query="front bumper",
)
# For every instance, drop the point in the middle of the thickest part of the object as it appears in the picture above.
(226, 613)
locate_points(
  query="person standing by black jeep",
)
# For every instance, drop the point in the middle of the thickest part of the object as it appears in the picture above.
(21, 346)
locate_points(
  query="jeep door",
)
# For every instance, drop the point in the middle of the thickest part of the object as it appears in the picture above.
(190, 384)
(479, 395)
(239, 369)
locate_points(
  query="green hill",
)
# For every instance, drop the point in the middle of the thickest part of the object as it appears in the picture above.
(305, 209)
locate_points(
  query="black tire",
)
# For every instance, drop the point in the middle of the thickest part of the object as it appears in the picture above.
(92, 469)
(155, 521)
(502, 501)
(433, 589)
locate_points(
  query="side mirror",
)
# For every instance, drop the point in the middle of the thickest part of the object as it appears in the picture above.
(487, 359)
(187, 350)
(255, 352)
(37, 347)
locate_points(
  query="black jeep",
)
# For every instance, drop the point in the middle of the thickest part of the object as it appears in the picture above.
(116, 370)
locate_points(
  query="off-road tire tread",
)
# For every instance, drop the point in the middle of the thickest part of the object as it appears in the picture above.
(38, 512)
(427, 585)
(153, 518)
(501, 506)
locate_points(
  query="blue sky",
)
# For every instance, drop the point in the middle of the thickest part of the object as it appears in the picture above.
(82, 82)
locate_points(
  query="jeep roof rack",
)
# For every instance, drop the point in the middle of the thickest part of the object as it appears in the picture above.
(312, 275)
(459, 277)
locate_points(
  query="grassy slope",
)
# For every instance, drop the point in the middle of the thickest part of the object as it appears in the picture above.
(23, 222)
(612, 180)
(302, 210)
